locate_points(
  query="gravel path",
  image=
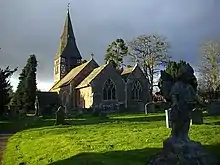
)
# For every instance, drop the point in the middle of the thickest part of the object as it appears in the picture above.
(3, 140)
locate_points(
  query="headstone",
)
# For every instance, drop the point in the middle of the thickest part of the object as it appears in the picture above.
(168, 121)
(197, 116)
(149, 107)
(60, 116)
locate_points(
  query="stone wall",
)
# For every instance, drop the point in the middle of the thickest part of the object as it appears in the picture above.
(97, 85)
(85, 99)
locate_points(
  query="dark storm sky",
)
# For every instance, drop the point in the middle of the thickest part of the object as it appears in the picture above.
(35, 26)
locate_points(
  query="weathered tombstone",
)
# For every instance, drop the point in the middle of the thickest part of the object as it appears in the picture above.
(168, 121)
(60, 116)
(149, 107)
(197, 117)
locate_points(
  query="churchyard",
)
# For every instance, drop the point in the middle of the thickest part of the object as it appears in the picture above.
(122, 139)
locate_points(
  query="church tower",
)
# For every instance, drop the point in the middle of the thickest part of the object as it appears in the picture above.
(68, 55)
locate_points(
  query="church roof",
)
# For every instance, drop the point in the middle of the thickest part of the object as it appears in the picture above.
(71, 75)
(68, 47)
(91, 76)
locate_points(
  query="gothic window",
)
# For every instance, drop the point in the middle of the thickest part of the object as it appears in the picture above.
(63, 69)
(78, 61)
(136, 91)
(109, 90)
(63, 60)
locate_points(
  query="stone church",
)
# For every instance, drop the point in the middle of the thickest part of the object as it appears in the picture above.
(85, 84)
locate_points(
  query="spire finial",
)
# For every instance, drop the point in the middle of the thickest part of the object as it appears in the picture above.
(68, 7)
(92, 55)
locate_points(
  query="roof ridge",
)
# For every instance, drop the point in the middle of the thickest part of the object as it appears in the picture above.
(86, 81)
(82, 65)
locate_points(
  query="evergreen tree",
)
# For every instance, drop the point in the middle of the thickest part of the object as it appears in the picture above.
(173, 67)
(18, 98)
(5, 88)
(24, 97)
(116, 52)
(172, 70)
(30, 84)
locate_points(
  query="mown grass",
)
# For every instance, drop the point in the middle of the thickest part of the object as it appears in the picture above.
(120, 139)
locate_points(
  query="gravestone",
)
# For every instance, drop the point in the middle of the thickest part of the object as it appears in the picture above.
(149, 107)
(197, 116)
(60, 116)
(168, 121)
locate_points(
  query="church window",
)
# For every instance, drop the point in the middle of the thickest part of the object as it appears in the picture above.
(63, 69)
(63, 60)
(78, 61)
(136, 91)
(109, 90)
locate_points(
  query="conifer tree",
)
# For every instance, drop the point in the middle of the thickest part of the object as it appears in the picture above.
(18, 100)
(116, 52)
(30, 83)
(5, 88)
(172, 69)
(24, 97)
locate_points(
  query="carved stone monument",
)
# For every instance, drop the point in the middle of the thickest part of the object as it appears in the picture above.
(178, 148)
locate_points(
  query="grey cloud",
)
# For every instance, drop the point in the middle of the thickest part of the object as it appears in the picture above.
(30, 26)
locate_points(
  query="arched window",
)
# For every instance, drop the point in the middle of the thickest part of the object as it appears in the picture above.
(109, 91)
(136, 90)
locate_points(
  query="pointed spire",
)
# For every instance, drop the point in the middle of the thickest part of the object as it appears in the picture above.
(68, 47)
(68, 29)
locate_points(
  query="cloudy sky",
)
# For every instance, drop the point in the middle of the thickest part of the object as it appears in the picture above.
(35, 26)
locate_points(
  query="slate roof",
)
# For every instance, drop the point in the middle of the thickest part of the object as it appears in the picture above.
(45, 98)
(91, 76)
(71, 75)
(68, 47)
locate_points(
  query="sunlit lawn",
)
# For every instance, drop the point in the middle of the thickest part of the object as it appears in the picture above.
(118, 140)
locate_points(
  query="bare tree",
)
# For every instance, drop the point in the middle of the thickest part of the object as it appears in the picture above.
(209, 69)
(151, 52)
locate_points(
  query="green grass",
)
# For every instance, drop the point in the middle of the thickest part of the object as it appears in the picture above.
(120, 139)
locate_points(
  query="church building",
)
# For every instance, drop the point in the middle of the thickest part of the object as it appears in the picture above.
(86, 84)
